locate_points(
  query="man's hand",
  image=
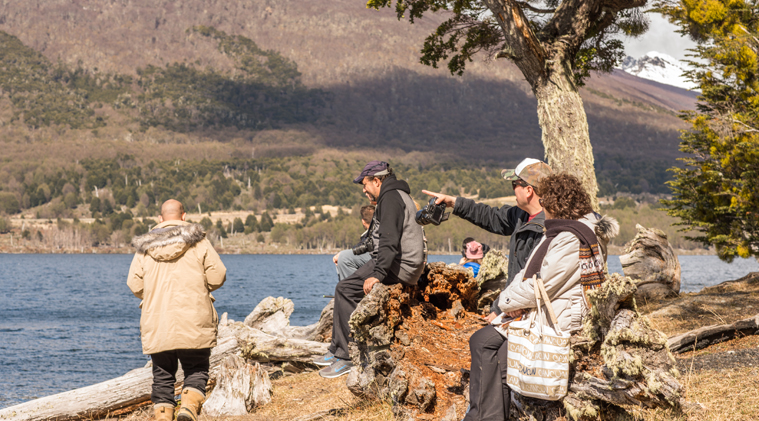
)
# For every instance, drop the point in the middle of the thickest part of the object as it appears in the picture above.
(369, 284)
(442, 198)
(490, 317)
(334, 258)
(514, 314)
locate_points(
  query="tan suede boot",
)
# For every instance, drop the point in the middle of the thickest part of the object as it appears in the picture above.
(189, 409)
(163, 412)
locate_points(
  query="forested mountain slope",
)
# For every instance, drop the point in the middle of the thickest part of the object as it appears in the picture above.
(244, 80)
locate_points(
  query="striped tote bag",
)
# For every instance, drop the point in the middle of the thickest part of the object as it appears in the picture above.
(538, 357)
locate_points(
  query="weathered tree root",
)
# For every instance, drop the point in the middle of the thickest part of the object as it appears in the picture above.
(652, 263)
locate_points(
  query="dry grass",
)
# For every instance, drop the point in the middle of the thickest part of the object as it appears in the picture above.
(304, 394)
(300, 395)
(715, 395)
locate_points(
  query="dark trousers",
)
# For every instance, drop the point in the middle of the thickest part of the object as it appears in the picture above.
(195, 363)
(348, 293)
(489, 397)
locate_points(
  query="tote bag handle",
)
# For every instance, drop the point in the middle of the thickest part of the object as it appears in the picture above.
(541, 294)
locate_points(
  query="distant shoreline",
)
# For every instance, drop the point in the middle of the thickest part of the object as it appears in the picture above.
(268, 250)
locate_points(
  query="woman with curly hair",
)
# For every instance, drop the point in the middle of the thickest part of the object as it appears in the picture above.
(569, 259)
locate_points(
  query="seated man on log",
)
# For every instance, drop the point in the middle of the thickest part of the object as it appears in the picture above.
(524, 222)
(173, 273)
(570, 242)
(398, 257)
(348, 261)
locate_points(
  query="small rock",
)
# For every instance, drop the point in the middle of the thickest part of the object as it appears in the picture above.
(450, 415)
(457, 311)
(403, 338)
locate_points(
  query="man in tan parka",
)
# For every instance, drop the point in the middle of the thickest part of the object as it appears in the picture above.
(173, 273)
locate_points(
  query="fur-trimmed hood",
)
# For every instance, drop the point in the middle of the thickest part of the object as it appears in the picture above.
(179, 234)
(606, 228)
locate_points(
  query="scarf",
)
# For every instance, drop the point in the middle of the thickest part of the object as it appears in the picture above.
(591, 260)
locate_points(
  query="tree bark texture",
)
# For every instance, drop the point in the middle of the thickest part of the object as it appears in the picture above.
(650, 260)
(240, 387)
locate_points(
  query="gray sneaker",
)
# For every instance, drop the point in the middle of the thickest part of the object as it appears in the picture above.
(336, 369)
(325, 360)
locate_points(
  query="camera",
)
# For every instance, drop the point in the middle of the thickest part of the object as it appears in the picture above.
(432, 213)
(365, 247)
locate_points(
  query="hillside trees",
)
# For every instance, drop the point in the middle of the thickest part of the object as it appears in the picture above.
(555, 44)
(717, 193)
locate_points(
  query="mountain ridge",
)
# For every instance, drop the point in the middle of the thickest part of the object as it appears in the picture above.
(367, 61)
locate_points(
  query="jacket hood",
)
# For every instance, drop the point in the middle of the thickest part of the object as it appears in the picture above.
(169, 240)
(392, 183)
(604, 226)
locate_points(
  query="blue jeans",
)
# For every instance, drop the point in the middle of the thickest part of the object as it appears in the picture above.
(347, 263)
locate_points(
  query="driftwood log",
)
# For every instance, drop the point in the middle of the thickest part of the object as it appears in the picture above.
(709, 335)
(411, 348)
(240, 387)
(650, 260)
(132, 391)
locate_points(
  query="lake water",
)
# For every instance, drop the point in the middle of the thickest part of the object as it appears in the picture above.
(68, 321)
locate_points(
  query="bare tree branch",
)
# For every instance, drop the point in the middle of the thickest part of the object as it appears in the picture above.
(535, 9)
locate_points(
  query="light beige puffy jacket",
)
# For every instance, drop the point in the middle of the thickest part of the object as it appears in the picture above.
(560, 272)
(173, 272)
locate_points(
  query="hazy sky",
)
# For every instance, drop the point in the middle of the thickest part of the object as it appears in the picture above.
(661, 37)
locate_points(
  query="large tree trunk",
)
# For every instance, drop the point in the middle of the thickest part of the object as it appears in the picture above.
(561, 112)
(565, 128)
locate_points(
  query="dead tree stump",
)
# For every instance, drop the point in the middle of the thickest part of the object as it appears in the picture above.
(240, 387)
(650, 260)
(410, 349)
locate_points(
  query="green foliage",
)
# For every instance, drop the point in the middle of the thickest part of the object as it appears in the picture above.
(206, 223)
(266, 223)
(472, 27)
(251, 223)
(717, 193)
(39, 97)
(5, 225)
(264, 92)
(237, 225)
(624, 203)
(9, 203)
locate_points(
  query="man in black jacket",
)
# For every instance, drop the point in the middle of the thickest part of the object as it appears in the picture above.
(525, 223)
(348, 261)
(398, 257)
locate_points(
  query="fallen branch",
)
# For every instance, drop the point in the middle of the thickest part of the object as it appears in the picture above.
(709, 335)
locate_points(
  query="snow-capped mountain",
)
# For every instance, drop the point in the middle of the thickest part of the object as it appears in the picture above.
(659, 68)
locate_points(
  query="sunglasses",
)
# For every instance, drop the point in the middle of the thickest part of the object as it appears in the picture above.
(519, 183)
